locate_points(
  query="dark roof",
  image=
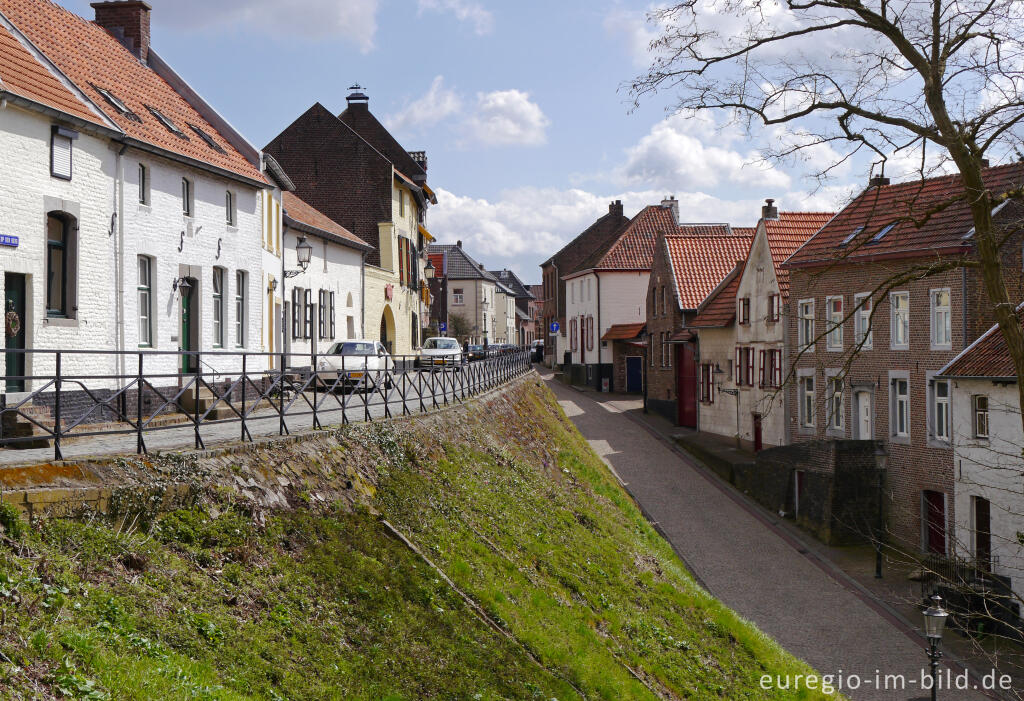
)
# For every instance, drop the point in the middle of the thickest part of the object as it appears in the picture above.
(927, 216)
(624, 332)
(632, 246)
(987, 357)
(599, 235)
(303, 216)
(459, 265)
(93, 59)
(512, 281)
(361, 120)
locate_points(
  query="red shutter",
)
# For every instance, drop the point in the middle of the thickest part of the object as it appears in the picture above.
(778, 368)
(738, 367)
(750, 367)
(760, 370)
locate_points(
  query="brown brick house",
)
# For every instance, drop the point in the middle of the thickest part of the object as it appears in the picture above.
(872, 317)
(597, 236)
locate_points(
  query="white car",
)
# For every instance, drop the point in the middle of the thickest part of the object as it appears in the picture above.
(440, 351)
(357, 363)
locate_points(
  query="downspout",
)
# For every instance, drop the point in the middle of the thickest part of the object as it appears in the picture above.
(119, 264)
(286, 312)
(362, 298)
(964, 341)
(597, 341)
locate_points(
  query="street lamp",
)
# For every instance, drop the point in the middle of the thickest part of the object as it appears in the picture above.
(934, 623)
(428, 271)
(304, 252)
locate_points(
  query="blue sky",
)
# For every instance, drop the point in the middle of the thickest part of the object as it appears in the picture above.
(518, 105)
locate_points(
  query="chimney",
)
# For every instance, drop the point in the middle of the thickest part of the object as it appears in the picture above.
(357, 98)
(421, 159)
(670, 202)
(769, 211)
(984, 163)
(615, 208)
(459, 243)
(128, 22)
(878, 181)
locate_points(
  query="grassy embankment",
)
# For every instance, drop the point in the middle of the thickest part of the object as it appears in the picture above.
(506, 498)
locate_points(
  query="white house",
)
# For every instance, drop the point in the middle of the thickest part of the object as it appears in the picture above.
(977, 410)
(504, 313)
(472, 294)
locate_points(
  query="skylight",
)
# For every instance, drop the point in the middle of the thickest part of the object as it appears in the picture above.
(882, 232)
(116, 103)
(852, 235)
(207, 138)
(163, 119)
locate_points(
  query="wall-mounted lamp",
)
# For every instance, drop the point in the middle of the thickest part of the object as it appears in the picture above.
(272, 287)
(304, 252)
(181, 285)
(428, 271)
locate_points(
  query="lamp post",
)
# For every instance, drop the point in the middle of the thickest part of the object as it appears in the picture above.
(934, 623)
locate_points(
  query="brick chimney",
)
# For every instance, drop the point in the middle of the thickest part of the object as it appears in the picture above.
(459, 243)
(128, 22)
(357, 98)
(769, 211)
(421, 159)
(615, 208)
(672, 203)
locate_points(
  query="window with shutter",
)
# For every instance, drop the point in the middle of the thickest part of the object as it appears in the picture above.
(60, 153)
(738, 366)
(760, 370)
(321, 312)
(750, 367)
(778, 368)
(296, 310)
(307, 331)
(332, 316)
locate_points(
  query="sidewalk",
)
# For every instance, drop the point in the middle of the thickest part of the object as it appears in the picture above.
(755, 563)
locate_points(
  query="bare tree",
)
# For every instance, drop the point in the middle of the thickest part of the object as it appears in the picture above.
(864, 77)
(459, 326)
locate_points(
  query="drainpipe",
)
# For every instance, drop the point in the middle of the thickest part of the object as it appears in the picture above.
(362, 298)
(119, 264)
(963, 304)
(286, 312)
(597, 341)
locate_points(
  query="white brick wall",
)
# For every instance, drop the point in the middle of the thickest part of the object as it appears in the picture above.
(623, 299)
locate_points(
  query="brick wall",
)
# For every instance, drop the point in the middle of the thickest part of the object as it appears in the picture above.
(661, 378)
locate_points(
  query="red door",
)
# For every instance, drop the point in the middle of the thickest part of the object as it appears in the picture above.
(935, 521)
(757, 433)
(686, 385)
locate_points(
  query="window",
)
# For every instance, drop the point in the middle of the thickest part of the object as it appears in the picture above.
(143, 184)
(401, 203)
(168, 124)
(187, 202)
(862, 321)
(807, 402)
(207, 138)
(980, 402)
(61, 140)
(145, 297)
(900, 408)
(58, 282)
(307, 307)
(774, 307)
(743, 310)
(229, 207)
(296, 312)
(116, 102)
(834, 340)
(852, 235)
(940, 410)
(218, 307)
(940, 319)
(899, 303)
(664, 301)
(457, 297)
(241, 310)
(881, 233)
(805, 324)
(770, 372)
(331, 315)
(707, 383)
(744, 366)
(835, 404)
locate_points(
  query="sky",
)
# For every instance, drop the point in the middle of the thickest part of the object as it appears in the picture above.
(521, 109)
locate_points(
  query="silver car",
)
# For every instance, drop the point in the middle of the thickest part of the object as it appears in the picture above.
(356, 363)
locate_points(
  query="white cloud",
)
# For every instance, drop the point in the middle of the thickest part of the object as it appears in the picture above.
(507, 118)
(464, 11)
(684, 152)
(354, 21)
(634, 32)
(437, 104)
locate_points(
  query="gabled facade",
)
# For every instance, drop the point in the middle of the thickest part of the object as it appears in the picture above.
(350, 168)
(597, 236)
(473, 295)
(874, 315)
(523, 332)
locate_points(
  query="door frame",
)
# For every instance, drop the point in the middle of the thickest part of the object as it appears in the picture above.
(23, 312)
(193, 338)
(858, 395)
(638, 360)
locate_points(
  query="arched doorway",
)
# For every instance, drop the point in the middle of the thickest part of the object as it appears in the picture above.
(387, 329)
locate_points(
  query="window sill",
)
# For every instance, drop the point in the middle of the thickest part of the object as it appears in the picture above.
(60, 321)
(836, 433)
(145, 207)
(899, 348)
(939, 443)
(807, 431)
(946, 347)
(834, 350)
(900, 440)
(232, 228)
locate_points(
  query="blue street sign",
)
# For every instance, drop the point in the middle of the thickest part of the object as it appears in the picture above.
(8, 240)
(442, 326)
(555, 327)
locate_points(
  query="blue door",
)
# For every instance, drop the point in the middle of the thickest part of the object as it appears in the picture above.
(634, 373)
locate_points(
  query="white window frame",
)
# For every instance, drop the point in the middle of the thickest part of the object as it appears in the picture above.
(774, 307)
(834, 338)
(980, 417)
(940, 423)
(807, 401)
(241, 306)
(743, 310)
(894, 321)
(836, 406)
(144, 287)
(217, 285)
(61, 138)
(230, 208)
(188, 197)
(899, 401)
(805, 324)
(862, 332)
(458, 296)
(935, 314)
(144, 191)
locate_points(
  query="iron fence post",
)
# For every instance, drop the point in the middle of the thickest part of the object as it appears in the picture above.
(57, 454)
(140, 446)
(199, 381)
(242, 383)
(313, 375)
(281, 428)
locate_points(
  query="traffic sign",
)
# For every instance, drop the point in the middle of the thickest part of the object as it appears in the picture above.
(555, 327)
(442, 326)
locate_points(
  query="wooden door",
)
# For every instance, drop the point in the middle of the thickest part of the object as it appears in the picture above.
(935, 522)
(634, 373)
(983, 533)
(758, 440)
(864, 427)
(686, 385)
(14, 286)
(189, 335)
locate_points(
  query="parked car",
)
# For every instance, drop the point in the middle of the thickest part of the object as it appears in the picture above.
(440, 351)
(476, 353)
(356, 363)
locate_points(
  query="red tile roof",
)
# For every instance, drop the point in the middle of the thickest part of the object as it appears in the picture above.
(623, 332)
(720, 308)
(700, 263)
(90, 58)
(907, 206)
(300, 211)
(23, 74)
(987, 357)
(786, 234)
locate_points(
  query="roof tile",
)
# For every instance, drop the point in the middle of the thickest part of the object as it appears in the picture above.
(302, 212)
(786, 234)
(700, 263)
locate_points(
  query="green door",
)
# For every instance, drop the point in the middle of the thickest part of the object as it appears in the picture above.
(14, 286)
(188, 335)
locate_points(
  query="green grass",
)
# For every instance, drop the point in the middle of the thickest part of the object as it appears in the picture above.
(506, 498)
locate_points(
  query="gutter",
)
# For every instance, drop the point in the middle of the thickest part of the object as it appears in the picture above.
(191, 162)
(898, 255)
(362, 296)
(79, 123)
(119, 268)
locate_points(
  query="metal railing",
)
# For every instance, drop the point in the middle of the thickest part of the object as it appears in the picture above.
(80, 394)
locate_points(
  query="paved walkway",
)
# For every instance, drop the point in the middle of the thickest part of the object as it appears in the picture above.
(752, 566)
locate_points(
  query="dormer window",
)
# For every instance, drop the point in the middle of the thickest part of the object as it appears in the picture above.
(168, 124)
(882, 232)
(207, 138)
(116, 102)
(852, 235)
